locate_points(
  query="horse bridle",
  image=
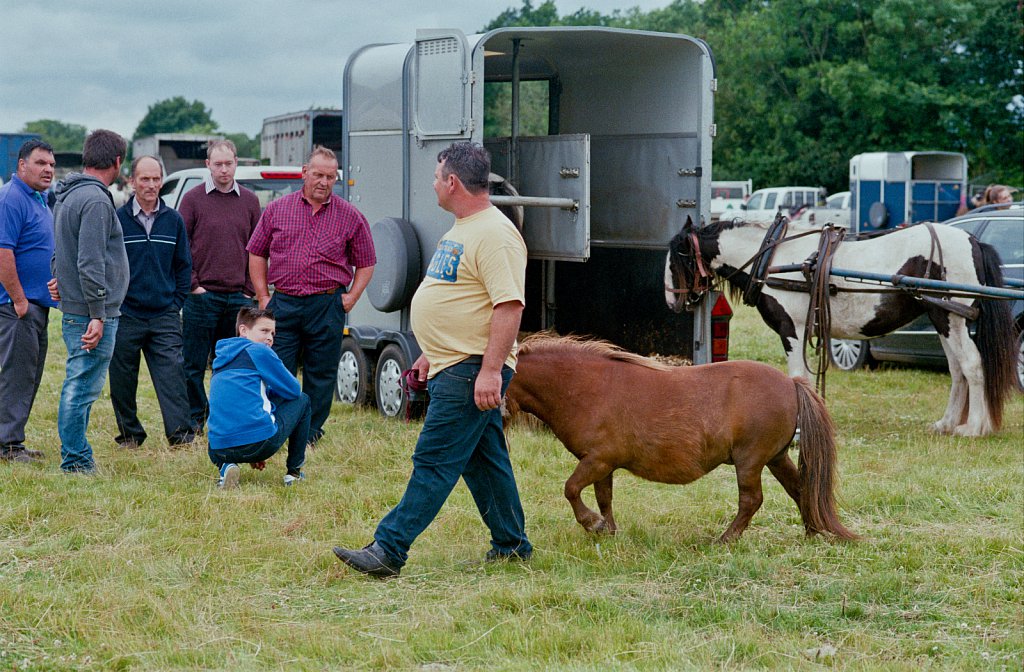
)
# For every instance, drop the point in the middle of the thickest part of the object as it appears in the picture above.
(703, 279)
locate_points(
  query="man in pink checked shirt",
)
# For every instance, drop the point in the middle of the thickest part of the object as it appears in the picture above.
(311, 245)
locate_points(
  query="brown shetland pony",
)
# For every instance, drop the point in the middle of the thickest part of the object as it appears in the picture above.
(613, 409)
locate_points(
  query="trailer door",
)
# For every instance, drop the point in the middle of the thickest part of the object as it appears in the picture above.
(441, 97)
(551, 166)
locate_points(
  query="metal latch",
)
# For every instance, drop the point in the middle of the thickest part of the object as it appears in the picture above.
(690, 172)
(566, 173)
(686, 203)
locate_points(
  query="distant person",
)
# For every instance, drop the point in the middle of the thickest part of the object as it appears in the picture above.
(91, 269)
(150, 325)
(255, 403)
(999, 194)
(311, 245)
(465, 315)
(220, 216)
(26, 247)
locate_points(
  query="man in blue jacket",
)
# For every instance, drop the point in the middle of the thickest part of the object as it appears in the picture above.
(256, 404)
(160, 267)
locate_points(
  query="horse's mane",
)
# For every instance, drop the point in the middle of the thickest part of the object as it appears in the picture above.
(548, 342)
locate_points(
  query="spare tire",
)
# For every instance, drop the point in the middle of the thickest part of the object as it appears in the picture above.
(499, 186)
(397, 273)
(878, 215)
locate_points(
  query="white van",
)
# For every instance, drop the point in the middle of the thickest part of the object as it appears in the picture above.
(764, 204)
(728, 197)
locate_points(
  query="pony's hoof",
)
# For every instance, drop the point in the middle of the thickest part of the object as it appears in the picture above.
(599, 527)
(967, 430)
(942, 428)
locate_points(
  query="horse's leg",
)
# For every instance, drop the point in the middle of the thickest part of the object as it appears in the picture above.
(588, 471)
(748, 478)
(603, 492)
(978, 421)
(956, 407)
(786, 473)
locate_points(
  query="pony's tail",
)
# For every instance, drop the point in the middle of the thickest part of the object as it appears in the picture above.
(817, 464)
(995, 338)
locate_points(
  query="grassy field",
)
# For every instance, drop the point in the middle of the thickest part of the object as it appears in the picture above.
(149, 566)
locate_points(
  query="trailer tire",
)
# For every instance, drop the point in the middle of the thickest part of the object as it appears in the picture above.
(354, 383)
(397, 272)
(501, 187)
(878, 216)
(391, 399)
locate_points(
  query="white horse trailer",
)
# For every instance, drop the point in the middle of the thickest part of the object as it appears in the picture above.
(605, 138)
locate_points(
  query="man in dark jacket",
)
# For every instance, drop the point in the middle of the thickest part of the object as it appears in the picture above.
(150, 324)
(91, 270)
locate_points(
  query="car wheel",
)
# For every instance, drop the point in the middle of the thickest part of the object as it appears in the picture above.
(849, 354)
(354, 384)
(391, 399)
(1020, 361)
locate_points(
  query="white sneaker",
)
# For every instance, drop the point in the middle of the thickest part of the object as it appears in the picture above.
(291, 480)
(229, 474)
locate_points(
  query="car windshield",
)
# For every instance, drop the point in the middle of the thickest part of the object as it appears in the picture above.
(268, 190)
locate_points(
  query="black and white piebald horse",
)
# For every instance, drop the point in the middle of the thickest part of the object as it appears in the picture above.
(982, 368)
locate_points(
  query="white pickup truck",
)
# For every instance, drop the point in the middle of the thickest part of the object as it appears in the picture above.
(728, 197)
(836, 211)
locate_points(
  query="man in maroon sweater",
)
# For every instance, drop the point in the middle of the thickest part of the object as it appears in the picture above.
(220, 217)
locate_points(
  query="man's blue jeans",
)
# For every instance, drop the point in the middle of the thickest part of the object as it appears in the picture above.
(85, 373)
(458, 439)
(292, 419)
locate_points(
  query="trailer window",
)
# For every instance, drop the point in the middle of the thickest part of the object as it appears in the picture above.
(533, 108)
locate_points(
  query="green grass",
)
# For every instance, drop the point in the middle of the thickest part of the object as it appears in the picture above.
(148, 566)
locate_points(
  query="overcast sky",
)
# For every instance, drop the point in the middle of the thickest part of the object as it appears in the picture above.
(102, 64)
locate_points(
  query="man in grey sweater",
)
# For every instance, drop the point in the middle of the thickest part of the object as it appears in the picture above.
(91, 269)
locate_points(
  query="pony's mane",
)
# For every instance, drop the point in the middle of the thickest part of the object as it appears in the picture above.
(549, 342)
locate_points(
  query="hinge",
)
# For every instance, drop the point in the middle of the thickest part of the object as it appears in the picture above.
(690, 172)
(714, 84)
(713, 130)
(686, 203)
(566, 173)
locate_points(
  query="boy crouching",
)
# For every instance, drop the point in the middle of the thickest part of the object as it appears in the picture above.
(255, 403)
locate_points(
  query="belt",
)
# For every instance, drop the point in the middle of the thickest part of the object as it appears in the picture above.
(333, 290)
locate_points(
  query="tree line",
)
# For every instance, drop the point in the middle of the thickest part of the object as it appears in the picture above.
(802, 86)
(172, 115)
(805, 86)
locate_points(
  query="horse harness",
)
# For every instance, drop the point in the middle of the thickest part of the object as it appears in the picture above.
(816, 270)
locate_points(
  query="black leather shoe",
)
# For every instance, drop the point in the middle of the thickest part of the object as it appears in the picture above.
(499, 556)
(370, 560)
(20, 448)
(16, 455)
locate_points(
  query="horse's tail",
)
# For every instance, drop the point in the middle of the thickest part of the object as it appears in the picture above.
(817, 464)
(995, 339)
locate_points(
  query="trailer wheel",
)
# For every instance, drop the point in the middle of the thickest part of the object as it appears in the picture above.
(354, 384)
(501, 187)
(849, 354)
(397, 273)
(878, 215)
(391, 401)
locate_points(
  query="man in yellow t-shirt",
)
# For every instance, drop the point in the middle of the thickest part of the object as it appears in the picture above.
(465, 315)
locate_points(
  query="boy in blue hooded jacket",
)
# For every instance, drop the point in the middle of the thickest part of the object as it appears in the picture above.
(255, 403)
